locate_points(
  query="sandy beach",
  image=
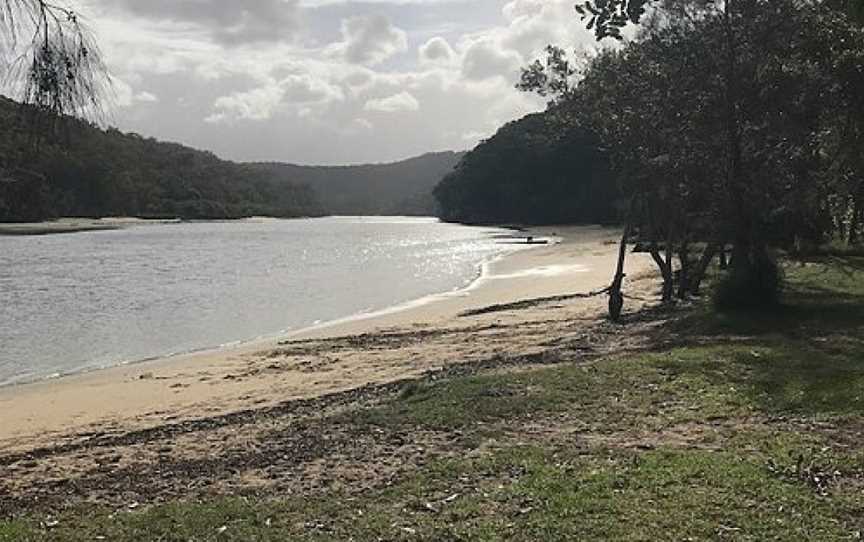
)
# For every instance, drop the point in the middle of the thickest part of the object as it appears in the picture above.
(75, 225)
(522, 303)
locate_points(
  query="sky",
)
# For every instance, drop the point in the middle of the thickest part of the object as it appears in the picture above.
(324, 81)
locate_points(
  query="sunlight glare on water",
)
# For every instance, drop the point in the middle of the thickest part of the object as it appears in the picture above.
(82, 301)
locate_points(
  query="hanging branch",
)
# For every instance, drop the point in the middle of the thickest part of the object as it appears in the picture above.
(608, 17)
(50, 59)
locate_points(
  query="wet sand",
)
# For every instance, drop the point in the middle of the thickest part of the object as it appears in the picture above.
(404, 342)
(74, 225)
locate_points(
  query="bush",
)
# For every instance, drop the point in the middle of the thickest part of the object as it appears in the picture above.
(750, 286)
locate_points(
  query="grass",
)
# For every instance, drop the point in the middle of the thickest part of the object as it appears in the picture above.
(749, 429)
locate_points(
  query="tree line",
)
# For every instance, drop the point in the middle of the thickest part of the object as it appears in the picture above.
(78, 169)
(70, 167)
(537, 170)
(729, 126)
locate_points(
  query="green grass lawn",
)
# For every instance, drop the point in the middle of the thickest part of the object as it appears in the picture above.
(748, 428)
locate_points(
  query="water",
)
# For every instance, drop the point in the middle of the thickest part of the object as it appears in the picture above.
(89, 300)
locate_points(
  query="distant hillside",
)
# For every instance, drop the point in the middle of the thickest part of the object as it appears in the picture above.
(403, 188)
(85, 171)
(82, 170)
(537, 170)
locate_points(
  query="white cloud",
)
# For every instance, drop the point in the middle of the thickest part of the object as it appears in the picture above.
(146, 97)
(301, 92)
(485, 59)
(517, 9)
(305, 89)
(358, 80)
(230, 22)
(309, 95)
(363, 124)
(436, 51)
(401, 102)
(369, 40)
(124, 96)
(257, 104)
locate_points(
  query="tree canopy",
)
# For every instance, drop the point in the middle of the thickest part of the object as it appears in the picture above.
(726, 124)
(537, 170)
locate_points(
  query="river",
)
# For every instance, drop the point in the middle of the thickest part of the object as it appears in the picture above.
(82, 301)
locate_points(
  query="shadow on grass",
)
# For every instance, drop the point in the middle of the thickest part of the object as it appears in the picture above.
(805, 357)
(795, 319)
(825, 297)
(777, 380)
(808, 382)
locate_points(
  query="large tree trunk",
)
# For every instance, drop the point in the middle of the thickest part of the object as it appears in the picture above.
(665, 267)
(698, 272)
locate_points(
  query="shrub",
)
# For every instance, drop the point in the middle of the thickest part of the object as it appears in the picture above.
(750, 286)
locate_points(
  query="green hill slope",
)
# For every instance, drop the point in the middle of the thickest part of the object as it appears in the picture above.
(536, 170)
(401, 188)
(86, 171)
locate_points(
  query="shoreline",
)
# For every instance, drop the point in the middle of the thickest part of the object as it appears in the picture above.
(67, 225)
(268, 341)
(208, 383)
(63, 226)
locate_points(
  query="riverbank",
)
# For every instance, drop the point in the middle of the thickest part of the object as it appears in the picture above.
(681, 424)
(314, 362)
(75, 225)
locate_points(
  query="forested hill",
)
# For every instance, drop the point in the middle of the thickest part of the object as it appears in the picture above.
(400, 188)
(87, 171)
(537, 170)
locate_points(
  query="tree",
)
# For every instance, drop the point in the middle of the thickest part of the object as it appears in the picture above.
(607, 18)
(551, 79)
(735, 122)
(636, 101)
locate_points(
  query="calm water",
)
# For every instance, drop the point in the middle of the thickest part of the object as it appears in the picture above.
(88, 300)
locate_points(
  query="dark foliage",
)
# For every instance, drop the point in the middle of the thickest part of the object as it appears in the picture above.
(727, 124)
(85, 171)
(748, 287)
(81, 170)
(533, 171)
